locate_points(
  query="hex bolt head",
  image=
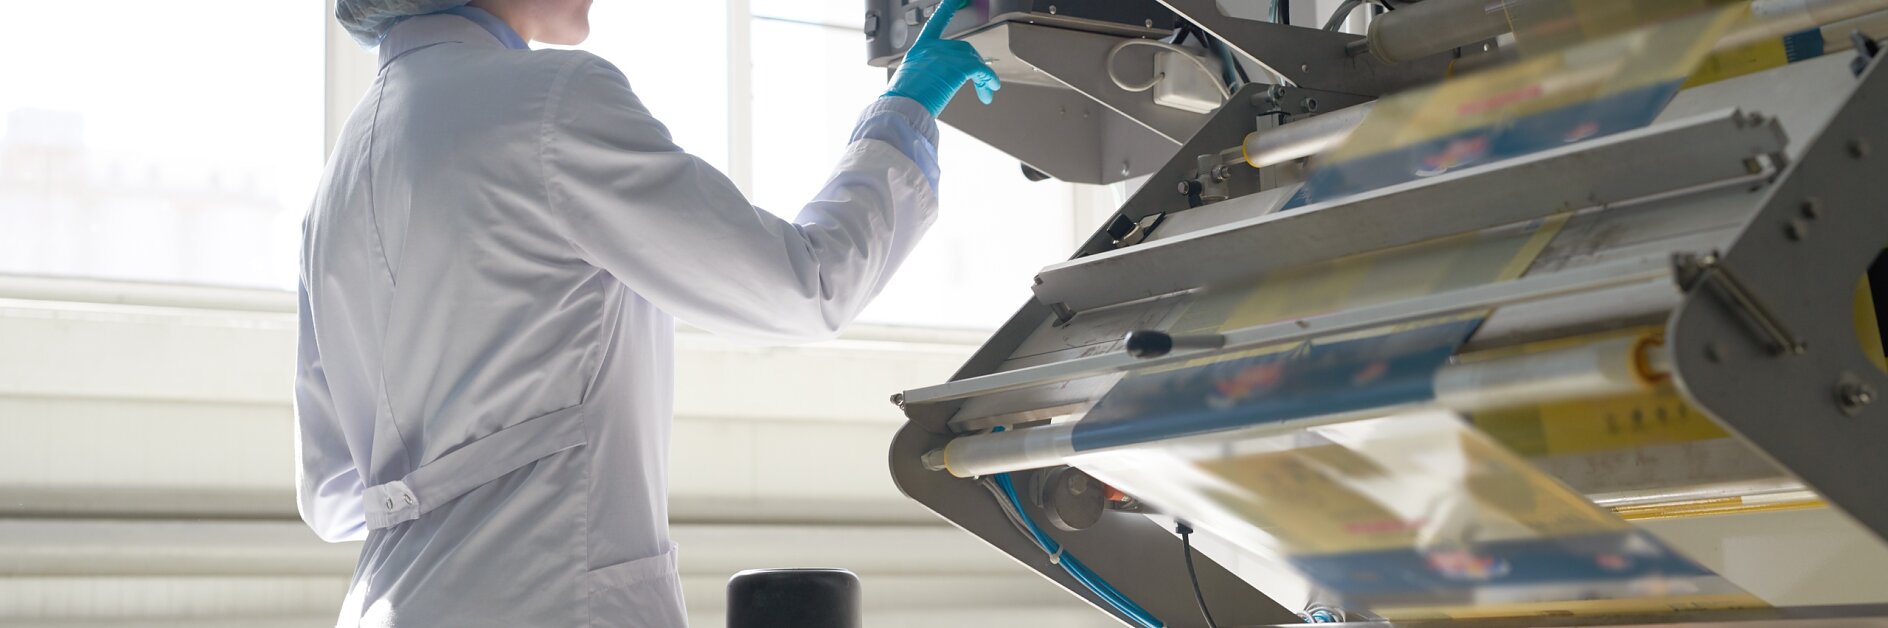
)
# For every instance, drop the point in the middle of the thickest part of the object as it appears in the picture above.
(1796, 230)
(898, 399)
(1855, 395)
(1310, 104)
(1859, 148)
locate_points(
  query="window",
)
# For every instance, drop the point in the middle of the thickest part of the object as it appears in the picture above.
(187, 150)
(168, 143)
(676, 57)
(994, 228)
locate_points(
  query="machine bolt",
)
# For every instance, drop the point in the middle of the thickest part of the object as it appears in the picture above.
(1797, 229)
(1859, 148)
(1148, 23)
(1051, 9)
(898, 399)
(1812, 208)
(1855, 395)
(1221, 173)
(1275, 92)
(1310, 105)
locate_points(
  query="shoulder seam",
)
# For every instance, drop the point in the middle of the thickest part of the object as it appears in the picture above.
(546, 132)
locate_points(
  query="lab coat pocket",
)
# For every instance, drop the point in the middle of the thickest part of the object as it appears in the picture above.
(642, 593)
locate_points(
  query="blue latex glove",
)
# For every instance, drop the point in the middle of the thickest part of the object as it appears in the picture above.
(935, 67)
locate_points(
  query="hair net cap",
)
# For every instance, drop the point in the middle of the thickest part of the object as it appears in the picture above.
(368, 20)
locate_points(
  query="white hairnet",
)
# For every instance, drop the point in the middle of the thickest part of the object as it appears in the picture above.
(368, 20)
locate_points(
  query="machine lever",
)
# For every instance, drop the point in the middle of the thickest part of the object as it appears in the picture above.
(1144, 344)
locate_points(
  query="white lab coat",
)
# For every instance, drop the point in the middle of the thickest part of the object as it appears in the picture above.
(488, 275)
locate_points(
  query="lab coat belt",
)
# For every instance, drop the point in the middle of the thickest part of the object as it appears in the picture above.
(460, 471)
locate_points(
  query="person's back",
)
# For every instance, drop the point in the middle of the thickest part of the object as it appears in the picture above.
(449, 306)
(489, 269)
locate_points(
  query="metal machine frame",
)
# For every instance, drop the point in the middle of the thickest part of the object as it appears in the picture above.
(1756, 307)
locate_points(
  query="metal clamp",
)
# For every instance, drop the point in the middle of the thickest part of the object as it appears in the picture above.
(1696, 270)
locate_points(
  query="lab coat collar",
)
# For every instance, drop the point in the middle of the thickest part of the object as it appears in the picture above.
(427, 30)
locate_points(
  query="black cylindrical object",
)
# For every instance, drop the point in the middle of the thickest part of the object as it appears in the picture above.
(794, 598)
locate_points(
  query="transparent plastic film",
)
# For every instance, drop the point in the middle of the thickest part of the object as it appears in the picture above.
(1413, 516)
(1571, 93)
(1542, 26)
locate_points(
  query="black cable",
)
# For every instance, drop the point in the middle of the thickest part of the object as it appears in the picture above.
(1342, 13)
(1186, 548)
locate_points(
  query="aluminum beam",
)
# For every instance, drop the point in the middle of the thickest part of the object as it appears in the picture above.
(1717, 148)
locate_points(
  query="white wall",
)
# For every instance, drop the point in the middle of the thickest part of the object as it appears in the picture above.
(146, 469)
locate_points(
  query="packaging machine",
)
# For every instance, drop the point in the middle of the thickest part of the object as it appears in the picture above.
(1522, 313)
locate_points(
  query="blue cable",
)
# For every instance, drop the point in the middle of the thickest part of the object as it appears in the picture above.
(1074, 567)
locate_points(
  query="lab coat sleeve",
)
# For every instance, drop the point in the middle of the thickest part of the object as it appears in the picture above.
(328, 484)
(680, 234)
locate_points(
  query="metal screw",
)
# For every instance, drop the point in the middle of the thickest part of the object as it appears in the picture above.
(1221, 173)
(1310, 104)
(898, 399)
(1275, 92)
(1051, 9)
(1752, 166)
(1855, 395)
(1125, 170)
(1812, 208)
(1149, 23)
(1796, 230)
(1859, 148)
(1306, 68)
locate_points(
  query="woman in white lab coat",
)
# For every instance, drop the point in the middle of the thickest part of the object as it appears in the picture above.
(489, 272)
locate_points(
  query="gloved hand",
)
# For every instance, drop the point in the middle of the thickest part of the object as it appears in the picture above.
(935, 67)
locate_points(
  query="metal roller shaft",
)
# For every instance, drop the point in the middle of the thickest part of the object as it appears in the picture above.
(1303, 138)
(1425, 28)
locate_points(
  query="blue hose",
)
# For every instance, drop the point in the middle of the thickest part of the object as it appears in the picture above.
(1074, 567)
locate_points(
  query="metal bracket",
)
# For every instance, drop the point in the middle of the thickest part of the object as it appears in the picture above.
(1694, 270)
(1814, 415)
